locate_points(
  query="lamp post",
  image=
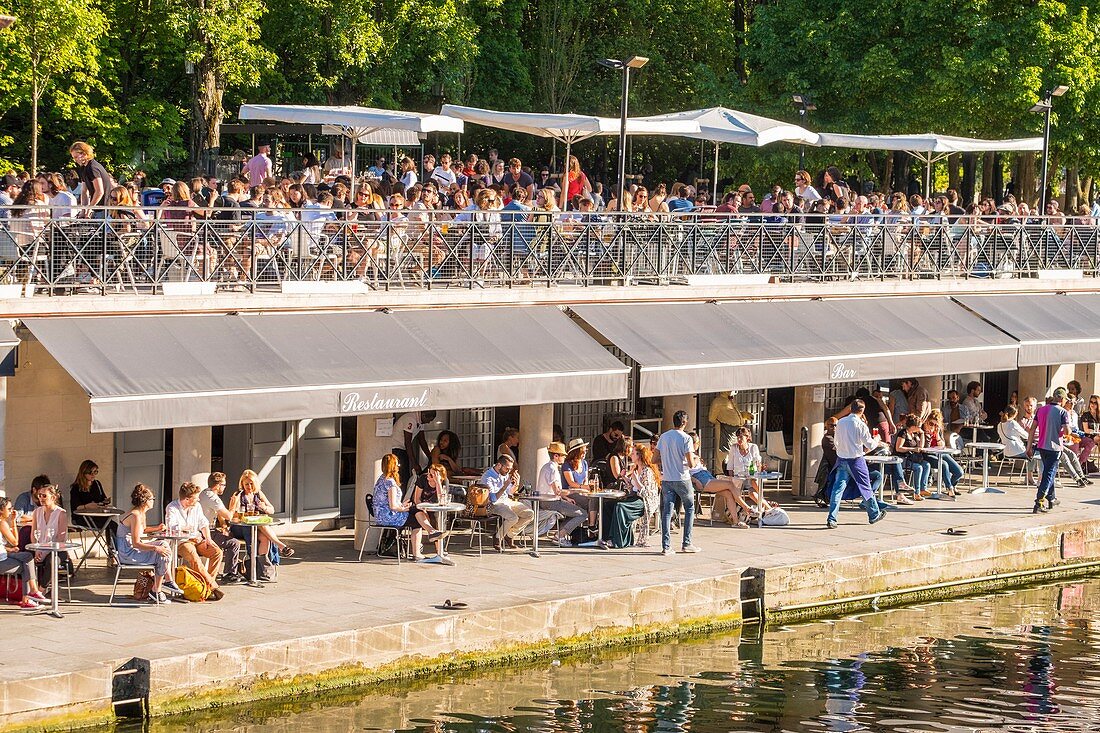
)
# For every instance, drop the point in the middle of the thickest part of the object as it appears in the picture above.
(634, 62)
(1043, 107)
(803, 104)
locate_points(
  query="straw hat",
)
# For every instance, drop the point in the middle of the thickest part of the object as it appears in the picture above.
(556, 448)
(577, 443)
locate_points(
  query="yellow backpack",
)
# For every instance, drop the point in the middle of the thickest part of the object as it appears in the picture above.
(194, 586)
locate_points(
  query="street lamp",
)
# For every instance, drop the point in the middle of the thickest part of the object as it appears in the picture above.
(804, 104)
(1043, 107)
(634, 62)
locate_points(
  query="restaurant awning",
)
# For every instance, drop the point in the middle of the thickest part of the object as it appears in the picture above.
(690, 348)
(1051, 329)
(145, 372)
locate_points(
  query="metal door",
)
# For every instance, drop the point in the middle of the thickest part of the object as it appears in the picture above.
(317, 488)
(269, 456)
(139, 459)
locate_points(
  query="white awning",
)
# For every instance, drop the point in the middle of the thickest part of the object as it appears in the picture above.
(723, 125)
(566, 128)
(689, 348)
(144, 372)
(353, 121)
(387, 137)
(928, 143)
(1052, 329)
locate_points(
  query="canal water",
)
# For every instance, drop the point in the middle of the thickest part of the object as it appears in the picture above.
(1027, 660)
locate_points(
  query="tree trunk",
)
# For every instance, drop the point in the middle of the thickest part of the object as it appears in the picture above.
(34, 129)
(207, 116)
(1023, 178)
(1072, 189)
(998, 178)
(953, 171)
(900, 179)
(968, 183)
(987, 175)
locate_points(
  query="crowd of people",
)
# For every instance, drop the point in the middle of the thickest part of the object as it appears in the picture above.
(212, 540)
(1064, 433)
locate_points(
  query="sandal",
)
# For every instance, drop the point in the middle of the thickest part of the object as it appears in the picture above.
(903, 500)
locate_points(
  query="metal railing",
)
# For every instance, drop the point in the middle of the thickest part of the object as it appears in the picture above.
(251, 249)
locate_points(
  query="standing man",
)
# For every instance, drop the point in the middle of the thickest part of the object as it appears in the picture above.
(503, 480)
(549, 484)
(920, 405)
(1050, 427)
(97, 181)
(409, 442)
(853, 440)
(899, 401)
(677, 456)
(259, 167)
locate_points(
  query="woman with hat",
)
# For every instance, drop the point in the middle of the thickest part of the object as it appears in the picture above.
(550, 484)
(574, 473)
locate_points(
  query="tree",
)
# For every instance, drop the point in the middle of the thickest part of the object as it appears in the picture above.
(48, 42)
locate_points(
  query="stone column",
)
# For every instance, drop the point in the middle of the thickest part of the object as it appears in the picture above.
(190, 454)
(1040, 381)
(687, 403)
(369, 449)
(810, 415)
(1086, 375)
(536, 429)
(934, 385)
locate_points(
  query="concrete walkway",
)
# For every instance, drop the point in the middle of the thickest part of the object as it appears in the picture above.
(324, 590)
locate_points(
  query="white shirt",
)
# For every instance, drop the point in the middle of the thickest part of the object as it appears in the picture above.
(1013, 437)
(407, 423)
(853, 439)
(211, 504)
(190, 522)
(549, 483)
(738, 465)
(444, 177)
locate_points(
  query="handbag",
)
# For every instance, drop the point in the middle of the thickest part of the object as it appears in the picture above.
(477, 501)
(143, 585)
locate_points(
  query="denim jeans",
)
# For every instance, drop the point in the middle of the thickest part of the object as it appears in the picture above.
(1050, 469)
(669, 491)
(952, 472)
(921, 469)
(840, 483)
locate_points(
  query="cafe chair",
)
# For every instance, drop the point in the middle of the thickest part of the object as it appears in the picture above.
(139, 568)
(400, 534)
(777, 449)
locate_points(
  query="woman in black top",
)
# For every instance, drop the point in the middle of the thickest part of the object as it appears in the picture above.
(86, 494)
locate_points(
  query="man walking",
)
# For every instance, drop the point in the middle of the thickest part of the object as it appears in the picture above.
(853, 440)
(677, 456)
(1051, 425)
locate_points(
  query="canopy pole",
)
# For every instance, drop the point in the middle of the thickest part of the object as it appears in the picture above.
(714, 197)
(565, 175)
(928, 177)
(353, 167)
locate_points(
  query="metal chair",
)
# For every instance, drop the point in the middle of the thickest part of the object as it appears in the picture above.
(127, 566)
(399, 533)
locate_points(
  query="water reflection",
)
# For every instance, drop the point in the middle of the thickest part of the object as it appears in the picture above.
(1024, 661)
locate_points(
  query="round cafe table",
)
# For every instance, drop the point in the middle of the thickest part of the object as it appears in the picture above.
(54, 549)
(174, 539)
(939, 452)
(253, 529)
(974, 431)
(536, 501)
(985, 488)
(883, 461)
(441, 511)
(763, 476)
(600, 496)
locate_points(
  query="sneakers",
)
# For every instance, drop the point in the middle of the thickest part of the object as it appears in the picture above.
(39, 597)
(231, 579)
(28, 604)
(158, 599)
(831, 524)
(1053, 502)
(666, 552)
(739, 525)
(1040, 506)
(564, 542)
(691, 549)
(877, 518)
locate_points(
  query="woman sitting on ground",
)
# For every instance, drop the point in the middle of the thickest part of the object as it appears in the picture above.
(49, 523)
(134, 549)
(446, 452)
(909, 445)
(250, 499)
(952, 472)
(12, 559)
(727, 487)
(640, 503)
(389, 509)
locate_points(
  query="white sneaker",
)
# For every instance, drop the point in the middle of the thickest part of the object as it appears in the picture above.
(564, 542)
(666, 552)
(691, 549)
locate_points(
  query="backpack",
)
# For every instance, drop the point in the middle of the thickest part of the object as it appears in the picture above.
(143, 586)
(477, 501)
(194, 586)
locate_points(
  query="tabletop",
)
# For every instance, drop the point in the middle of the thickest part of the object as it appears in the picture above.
(463, 479)
(450, 507)
(942, 449)
(888, 460)
(109, 511)
(986, 446)
(768, 475)
(605, 494)
(52, 546)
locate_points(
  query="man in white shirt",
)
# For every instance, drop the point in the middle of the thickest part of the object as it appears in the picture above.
(213, 508)
(853, 439)
(335, 164)
(443, 175)
(677, 452)
(503, 480)
(409, 442)
(549, 484)
(185, 516)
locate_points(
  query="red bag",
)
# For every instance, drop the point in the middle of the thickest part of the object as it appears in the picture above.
(12, 588)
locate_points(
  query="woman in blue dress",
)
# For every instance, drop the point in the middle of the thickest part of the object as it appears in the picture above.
(132, 547)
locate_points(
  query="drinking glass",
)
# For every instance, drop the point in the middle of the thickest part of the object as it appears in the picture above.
(49, 536)
(37, 536)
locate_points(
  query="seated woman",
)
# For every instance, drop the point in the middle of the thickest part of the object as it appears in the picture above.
(86, 494)
(1090, 426)
(132, 546)
(390, 511)
(446, 452)
(640, 503)
(1013, 437)
(49, 523)
(250, 499)
(743, 462)
(951, 471)
(727, 487)
(909, 445)
(430, 488)
(574, 475)
(12, 559)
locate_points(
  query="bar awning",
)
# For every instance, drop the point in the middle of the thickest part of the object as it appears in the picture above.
(709, 347)
(1051, 329)
(144, 372)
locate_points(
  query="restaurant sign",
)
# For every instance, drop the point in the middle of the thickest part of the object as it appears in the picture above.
(842, 372)
(354, 403)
